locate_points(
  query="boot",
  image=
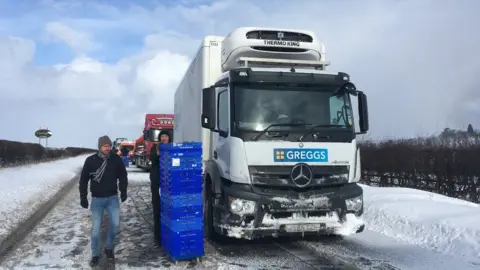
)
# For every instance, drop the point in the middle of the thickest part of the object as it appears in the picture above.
(94, 261)
(110, 255)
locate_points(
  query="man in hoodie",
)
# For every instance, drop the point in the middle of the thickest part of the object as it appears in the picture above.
(104, 170)
(163, 137)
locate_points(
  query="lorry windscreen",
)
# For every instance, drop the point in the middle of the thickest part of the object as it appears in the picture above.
(128, 147)
(257, 107)
(153, 134)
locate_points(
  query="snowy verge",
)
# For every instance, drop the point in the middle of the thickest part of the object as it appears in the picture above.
(24, 189)
(432, 221)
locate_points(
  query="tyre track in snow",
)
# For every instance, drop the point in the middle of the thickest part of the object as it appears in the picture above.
(264, 253)
(22, 230)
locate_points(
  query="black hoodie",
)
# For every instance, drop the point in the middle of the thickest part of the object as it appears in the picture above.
(154, 170)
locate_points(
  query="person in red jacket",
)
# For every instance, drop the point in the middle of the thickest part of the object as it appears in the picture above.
(164, 137)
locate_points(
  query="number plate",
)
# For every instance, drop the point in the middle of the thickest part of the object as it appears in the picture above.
(305, 227)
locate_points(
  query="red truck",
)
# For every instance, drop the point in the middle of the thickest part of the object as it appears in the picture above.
(137, 150)
(154, 123)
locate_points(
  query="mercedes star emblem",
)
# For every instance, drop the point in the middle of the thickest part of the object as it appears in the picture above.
(301, 175)
(300, 145)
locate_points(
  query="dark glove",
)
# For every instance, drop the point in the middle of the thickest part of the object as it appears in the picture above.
(84, 202)
(123, 196)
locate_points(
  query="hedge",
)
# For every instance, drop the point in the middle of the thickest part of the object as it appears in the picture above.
(18, 153)
(449, 166)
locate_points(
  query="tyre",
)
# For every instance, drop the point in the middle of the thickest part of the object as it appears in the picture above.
(208, 227)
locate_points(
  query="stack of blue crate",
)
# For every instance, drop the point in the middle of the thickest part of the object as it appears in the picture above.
(181, 200)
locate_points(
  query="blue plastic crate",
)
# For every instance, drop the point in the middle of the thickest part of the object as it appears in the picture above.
(183, 167)
(181, 154)
(179, 162)
(180, 189)
(184, 212)
(176, 184)
(188, 159)
(192, 179)
(181, 176)
(189, 252)
(181, 146)
(176, 176)
(182, 200)
(168, 168)
(180, 224)
(184, 245)
(182, 239)
(169, 181)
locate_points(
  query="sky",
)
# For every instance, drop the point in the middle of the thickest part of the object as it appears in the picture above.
(87, 68)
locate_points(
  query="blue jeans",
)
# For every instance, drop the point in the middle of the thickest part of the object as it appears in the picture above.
(126, 160)
(98, 206)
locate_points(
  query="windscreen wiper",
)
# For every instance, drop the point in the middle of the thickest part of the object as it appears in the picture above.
(312, 130)
(277, 125)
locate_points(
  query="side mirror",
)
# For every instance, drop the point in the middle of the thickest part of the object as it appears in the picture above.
(363, 112)
(208, 108)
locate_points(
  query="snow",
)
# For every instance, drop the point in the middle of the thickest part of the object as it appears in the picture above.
(405, 228)
(431, 221)
(137, 175)
(350, 226)
(23, 189)
(412, 229)
(62, 241)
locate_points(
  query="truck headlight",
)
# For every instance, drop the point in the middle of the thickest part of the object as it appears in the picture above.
(354, 204)
(241, 206)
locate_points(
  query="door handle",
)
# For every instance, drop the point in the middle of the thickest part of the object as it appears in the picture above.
(215, 154)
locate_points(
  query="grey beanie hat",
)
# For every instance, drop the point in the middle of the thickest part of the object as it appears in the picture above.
(104, 140)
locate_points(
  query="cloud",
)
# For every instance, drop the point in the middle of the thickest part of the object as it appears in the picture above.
(78, 41)
(416, 60)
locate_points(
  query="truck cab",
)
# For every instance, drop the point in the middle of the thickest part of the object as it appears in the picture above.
(280, 148)
(117, 142)
(154, 124)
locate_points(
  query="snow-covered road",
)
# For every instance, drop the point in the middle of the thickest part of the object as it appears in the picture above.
(62, 241)
(406, 229)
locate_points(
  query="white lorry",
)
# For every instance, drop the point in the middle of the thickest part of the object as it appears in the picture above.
(279, 141)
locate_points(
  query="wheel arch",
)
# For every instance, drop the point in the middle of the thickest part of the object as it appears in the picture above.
(212, 174)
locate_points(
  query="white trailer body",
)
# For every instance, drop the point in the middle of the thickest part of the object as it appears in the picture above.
(279, 144)
(202, 72)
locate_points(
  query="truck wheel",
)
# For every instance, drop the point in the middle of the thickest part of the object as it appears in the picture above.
(208, 228)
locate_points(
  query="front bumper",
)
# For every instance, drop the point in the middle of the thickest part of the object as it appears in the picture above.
(331, 210)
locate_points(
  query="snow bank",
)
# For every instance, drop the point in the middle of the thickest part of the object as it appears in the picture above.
(431, 221)
(23, 189)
